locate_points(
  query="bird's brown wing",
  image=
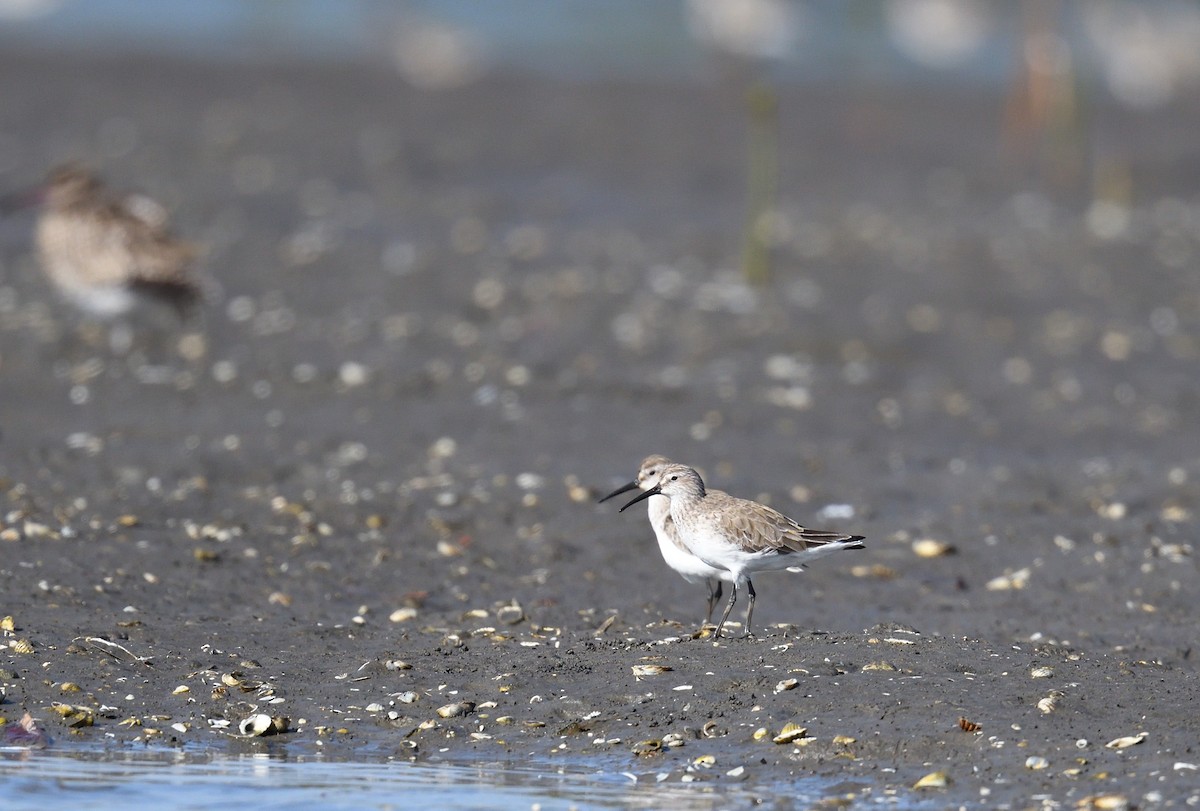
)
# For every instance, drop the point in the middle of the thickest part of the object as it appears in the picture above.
(759, 528)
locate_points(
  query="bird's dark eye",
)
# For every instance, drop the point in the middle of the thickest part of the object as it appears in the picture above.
(674, 478)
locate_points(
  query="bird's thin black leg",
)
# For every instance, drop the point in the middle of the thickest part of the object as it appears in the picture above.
(749, 608)
(732, 599)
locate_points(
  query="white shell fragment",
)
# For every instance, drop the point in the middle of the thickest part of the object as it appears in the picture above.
(786, 684)
(1127, 741)
(1041, 672)
(457, 709)
(1036, 762)
(643, 671)
(1011, 581)
(790, 732)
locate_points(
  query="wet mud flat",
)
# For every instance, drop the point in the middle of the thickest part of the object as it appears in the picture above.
(359, 492)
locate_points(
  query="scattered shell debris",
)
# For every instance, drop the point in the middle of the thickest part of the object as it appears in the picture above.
(1041, 672)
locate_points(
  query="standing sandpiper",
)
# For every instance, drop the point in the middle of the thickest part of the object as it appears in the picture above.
(103, 252)
(673, 550)
(739, 536)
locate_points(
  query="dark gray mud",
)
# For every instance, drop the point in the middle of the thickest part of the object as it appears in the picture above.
(440, 325)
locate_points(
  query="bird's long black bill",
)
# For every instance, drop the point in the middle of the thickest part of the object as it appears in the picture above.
(618, 492)
(653, 491)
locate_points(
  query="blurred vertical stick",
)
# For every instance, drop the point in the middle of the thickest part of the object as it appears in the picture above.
(762, 182)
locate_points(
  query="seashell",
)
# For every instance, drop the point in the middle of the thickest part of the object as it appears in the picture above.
(761, 733)
(642, 671)
(843, 740)
(1105, 802)
(930, 548)
(374, 706)
(69, 687)
(396, 664)
(457, 709)
(1050, 703)
(649, 747)
(790, 732)
(786, 684)
(968, 726)
(673, 740)
(1013, 580)
(183, 688)
(230, 680)
(8, 624)
(403, 614)
(256, 725)
(504, 720)
(710, 729)
(1035, 762)
(1041, 672)
(705, 762)
(21, 646)
(510, 614)
(407, 697)
(885, 666)
(1127, 741)
(933, 780)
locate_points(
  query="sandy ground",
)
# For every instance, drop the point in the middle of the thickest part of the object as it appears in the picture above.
(440, 325)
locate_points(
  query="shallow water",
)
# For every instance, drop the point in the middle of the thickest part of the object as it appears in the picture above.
(88, 779)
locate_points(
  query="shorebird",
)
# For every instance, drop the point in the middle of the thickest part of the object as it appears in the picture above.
(104, 253)
(673, 550)
(738, 536)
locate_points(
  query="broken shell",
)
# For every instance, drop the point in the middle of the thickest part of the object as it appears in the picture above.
(1127, 741)
(8, 624)
(930, 548)
(790, 732)
(407, 697)
(705, 762)
(710, 730)
(672, 739)
(650, 747)
(642, 671)
(1041, 672)
(1036, 762)
(786, 684)
(933, 780)
(843, 740)
(69, 687)
(374, 706)
(967, 725)
(510, 614)
(457, 709)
